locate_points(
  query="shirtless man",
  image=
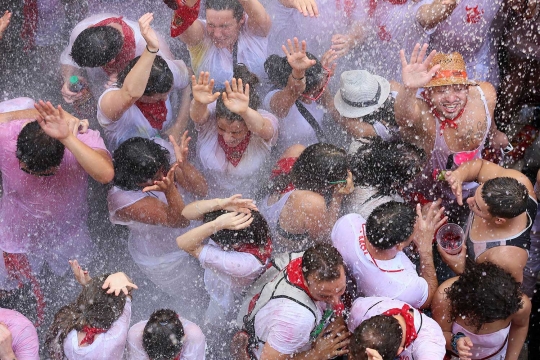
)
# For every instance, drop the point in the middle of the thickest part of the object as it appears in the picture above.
(450, 119)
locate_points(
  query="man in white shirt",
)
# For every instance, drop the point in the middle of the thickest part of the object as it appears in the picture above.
(373, 253)
(392, 328)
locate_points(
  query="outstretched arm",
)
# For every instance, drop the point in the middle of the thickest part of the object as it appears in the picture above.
(235, 203)
(259, 21)
(62, 126)
(431, 15)
(203, 94)
(186, 174)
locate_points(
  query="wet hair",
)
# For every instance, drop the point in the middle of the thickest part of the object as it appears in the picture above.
(390, 224)
(382, 333)
(279, 70)
(234, 5)
(484, 293)
(96, 46)
(384, 114)
(136, 161)
(162, 335)
(323, 262)
(160, 80)
(37, 150)
(257, 233)
(387, 166)
(505, 197)
(93, 307)
(240, 72)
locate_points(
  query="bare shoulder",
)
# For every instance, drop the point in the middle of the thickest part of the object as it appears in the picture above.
(489, 91)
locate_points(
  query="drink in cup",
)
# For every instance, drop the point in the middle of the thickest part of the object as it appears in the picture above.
(450, 237)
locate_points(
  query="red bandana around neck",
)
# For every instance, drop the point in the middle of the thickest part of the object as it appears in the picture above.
(91, 333)
(410, 330)
(155, 113)
(234, 154)
(373, 5)
(262, 254)
(127, 53)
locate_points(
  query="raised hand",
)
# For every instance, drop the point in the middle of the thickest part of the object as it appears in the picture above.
(181, 151)
(237, 204)
(233, 221)
(426, 225)
(4, 22)
(203, 88)
(147, 32)
(164, 185)
(452, 178)
(236, 97)
(296, 55)
(306, 7)
(56, 122)
(342, 44)
(328, 61)
(118, 282)
(82, 276)
(417, 73)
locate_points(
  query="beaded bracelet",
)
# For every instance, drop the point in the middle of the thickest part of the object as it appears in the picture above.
(150, 51)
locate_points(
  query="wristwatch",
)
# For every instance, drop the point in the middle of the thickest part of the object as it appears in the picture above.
(455, 338)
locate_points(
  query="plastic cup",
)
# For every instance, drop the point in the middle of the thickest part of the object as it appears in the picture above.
(450, 237)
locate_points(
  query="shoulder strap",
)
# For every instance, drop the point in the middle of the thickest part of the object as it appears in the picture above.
(311, 121)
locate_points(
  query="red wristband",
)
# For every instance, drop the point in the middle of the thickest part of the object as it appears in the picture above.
(183, 17)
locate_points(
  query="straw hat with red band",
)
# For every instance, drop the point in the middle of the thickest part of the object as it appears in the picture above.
(452, 71)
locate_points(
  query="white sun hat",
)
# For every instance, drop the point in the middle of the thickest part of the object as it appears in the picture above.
(360, 93)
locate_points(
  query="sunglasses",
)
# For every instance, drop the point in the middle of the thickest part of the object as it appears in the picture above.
(325, 81)
(337, 182)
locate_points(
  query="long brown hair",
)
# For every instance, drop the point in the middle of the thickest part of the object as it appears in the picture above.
(93, 307)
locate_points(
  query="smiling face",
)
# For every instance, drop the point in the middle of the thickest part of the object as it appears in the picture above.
(329, 292)
(222, 27)
(233, 132)
(449, 100)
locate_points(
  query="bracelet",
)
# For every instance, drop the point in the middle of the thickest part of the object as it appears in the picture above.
(150, 51)
(302, 78)
(455, 338)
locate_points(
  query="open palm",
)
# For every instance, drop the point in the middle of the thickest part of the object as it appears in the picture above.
(296, 55)
(203, 88)
(235, 97)
(417, 73)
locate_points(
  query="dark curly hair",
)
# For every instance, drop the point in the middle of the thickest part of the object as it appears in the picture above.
(390, 224)
(484, 293)
(257, 233)
(162, 335)
(387, 166)
(382, 333)
(37, 150)
(505, 197)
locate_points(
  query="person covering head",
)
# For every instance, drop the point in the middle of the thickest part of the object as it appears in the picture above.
(360, 93)
(452, 71)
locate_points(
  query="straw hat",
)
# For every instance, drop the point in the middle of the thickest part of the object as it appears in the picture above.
(452, 72)
(360, 93)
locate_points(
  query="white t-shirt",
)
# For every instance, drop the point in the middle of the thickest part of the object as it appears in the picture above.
(106, 346)
(193, 348)
(222, 177)
(349, 237)
(97, 77)
(286, 325)
(227, 274)
(430, 343)
(294, 128)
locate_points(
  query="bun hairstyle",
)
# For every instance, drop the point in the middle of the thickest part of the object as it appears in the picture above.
(93, 307)
(279, 70)
(240, 72)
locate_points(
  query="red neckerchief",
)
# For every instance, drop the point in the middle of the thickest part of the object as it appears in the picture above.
(90, 334)
(262, 254)
(451, 123)
(127, 53)
(155, 113)
(234, 154)
(284, 167)
(373, 5)
(18, 268)
(295, 276)
(30, 22)
(184, 16)
(410, 330)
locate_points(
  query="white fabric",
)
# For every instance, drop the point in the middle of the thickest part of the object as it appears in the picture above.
(205, 56)
(430, 343)
(286, 325)
(272, 213)
(294, 128)
(109, 345)
(227, 274)
(486, 344)
(193, 348)
(222, 177)
(97, 77)
(392, 28)
(364, 200)
(404, 285)
(467, 31)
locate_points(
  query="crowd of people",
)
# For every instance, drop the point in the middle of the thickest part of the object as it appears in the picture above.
(286, 180)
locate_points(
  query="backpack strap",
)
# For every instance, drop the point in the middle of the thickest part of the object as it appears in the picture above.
(311, 121)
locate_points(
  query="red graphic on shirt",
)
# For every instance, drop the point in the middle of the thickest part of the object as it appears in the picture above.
(473, 14)
(384, 35)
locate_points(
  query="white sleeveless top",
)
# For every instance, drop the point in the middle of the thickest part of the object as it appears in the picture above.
(484, 345)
